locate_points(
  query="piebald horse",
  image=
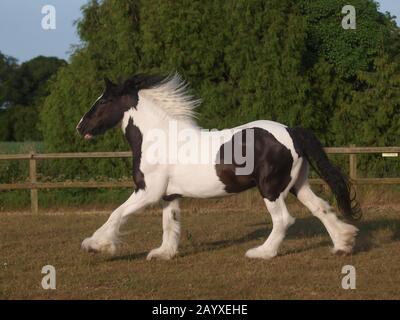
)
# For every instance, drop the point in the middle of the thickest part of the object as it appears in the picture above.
(149, 106)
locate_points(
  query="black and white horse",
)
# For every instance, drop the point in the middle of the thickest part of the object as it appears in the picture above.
(174, 158)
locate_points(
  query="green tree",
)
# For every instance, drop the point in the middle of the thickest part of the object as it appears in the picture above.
(7, 68)
(111, 47)
(284, 60)
(348, 50)
(22, 90)
(372, 115)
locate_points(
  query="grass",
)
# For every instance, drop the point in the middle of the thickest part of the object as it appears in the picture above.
(21, 147)
(211, 262)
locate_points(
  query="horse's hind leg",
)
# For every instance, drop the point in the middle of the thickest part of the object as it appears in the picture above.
(281, 220)
(341, 233)
(171, 232)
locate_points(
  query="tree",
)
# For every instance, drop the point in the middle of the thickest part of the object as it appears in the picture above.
(22, 90)
(284, 60)
(111, 47)
(7, 68)
(372, 116)
(348, 50)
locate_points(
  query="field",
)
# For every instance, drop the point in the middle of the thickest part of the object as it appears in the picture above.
(20, 147)
(211, 262)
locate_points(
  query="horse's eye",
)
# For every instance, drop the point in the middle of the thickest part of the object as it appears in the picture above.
(102, 101)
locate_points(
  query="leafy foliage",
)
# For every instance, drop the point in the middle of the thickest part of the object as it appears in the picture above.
(284, 60)
(22, 89)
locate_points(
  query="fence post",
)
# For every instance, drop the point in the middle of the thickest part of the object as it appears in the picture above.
(353, 165)
(33, 179)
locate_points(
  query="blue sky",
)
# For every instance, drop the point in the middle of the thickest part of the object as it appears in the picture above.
(21, 33)
(22, 36)
(393, 6)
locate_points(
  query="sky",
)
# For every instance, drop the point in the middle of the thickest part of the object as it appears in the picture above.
(22, 35)
(21, 32)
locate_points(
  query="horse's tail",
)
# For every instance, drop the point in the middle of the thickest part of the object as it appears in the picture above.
(310, 147)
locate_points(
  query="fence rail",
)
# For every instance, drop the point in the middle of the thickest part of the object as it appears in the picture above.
(33, 185)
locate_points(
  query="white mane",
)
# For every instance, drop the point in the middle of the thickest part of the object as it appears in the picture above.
(172, 96)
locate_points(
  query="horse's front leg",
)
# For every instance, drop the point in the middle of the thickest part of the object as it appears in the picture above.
(106, 238)
(171, 232)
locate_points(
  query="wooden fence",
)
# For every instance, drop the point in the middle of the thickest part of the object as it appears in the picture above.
(33, 185)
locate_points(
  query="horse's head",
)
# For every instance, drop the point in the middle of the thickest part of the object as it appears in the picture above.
(108, 110)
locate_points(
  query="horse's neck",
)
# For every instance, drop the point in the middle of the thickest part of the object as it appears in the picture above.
(149, 119)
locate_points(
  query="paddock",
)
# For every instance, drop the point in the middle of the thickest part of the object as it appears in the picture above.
(211, 262)
(215, 236)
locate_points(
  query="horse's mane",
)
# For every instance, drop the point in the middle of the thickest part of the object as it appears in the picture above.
(170, 93)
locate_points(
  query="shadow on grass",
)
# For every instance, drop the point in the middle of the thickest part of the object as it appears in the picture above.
(309, 227)
(128, 257)
(306, 227)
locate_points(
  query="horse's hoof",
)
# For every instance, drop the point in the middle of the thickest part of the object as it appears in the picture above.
(342, 253)
(92, 250)
(159, 254)
(256, 253)
(92, 246)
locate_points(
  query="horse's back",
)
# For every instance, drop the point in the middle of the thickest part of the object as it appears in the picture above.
(278, 130)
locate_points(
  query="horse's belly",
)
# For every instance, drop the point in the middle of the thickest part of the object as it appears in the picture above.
(197, 181)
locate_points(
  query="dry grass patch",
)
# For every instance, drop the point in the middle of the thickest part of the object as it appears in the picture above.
(211, 262)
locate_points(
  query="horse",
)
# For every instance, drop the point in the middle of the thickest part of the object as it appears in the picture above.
(150, 106)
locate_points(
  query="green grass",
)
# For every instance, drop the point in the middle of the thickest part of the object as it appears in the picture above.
(210, 264)
(21, 147)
